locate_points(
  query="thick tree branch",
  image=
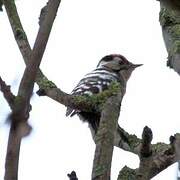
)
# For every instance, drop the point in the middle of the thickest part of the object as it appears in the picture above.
(20, 113)
(105, 138)
(170, 22)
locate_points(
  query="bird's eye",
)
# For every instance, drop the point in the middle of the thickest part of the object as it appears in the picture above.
(121, 62)
(107, 58)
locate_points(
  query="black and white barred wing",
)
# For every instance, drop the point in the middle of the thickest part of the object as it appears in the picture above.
(93, 83)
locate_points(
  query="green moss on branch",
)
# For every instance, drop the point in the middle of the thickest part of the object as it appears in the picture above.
(20, 34)
(127, 174)
(45, 84)
(133, 141)
(168, 17)
(160, 147)
(175, 31)
(97, 100)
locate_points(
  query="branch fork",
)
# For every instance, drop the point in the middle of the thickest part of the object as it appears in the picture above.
(154, 158)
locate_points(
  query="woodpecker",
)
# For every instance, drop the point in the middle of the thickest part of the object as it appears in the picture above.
(111, 68)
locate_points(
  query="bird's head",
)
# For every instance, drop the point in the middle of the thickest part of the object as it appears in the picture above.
(119, 64)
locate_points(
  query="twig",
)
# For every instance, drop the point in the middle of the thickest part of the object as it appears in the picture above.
(72, 176)
(43, 14)
(127, 142)
(9, 96)
(145, 150)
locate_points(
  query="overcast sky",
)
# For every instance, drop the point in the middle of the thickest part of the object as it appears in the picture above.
(85, 31)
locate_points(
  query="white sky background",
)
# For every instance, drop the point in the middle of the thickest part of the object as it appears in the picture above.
(85, 31)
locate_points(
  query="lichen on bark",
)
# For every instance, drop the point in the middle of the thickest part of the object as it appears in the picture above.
(127, 174)
(97, 100)
(45, 84)
(169, 18)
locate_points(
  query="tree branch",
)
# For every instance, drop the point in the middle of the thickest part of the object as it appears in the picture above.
(21, 37)
(130, 143)
(156, 158)
(72, 176)
(146, 150)
(20, 113)
(18, 31)
(26, 85)
(170, 22)
(105, 138)
(8, 95)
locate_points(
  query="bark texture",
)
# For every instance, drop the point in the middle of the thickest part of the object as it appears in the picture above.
(21, 104)
(154, 158)
(105, 138)
(169, 18)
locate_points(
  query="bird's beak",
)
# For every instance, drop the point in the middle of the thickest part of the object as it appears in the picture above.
(136, 65)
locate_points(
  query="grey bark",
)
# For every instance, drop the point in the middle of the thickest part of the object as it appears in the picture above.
(170, 23)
